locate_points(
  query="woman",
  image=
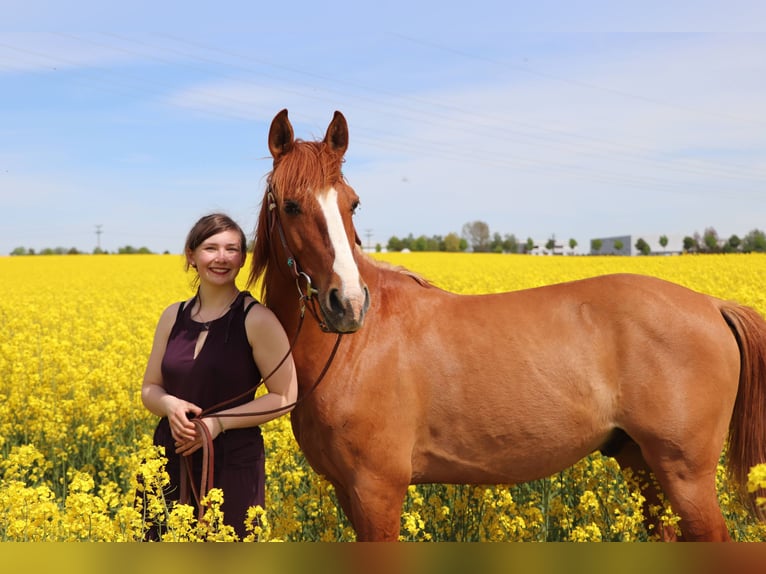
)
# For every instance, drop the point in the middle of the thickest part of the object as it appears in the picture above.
(207, 350)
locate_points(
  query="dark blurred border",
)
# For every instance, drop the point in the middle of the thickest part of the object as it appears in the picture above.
(361, 558)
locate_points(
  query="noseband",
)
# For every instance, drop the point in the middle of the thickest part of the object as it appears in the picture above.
(306, 300)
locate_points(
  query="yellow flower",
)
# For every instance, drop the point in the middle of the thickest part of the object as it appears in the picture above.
(77, 461)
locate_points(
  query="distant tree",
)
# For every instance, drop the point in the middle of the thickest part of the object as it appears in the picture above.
(19, 251)
(618, 245)
(755, 240)
(395, 244)
(663, 242)
(54, 251)
(550, 245)
(98, 251)
(72, 251)
(595, 245)
(529, 246)
(378, 248)
(511, 244)
(734, 242)
(477, 235)
(710, 240)
(642, 246)
(496, 245)
(130, 250)
(424, 243)
(420, 244)
(690, 244)
(572, 244)
(452, 242)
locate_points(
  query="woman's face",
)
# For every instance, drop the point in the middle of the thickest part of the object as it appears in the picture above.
(219, 258)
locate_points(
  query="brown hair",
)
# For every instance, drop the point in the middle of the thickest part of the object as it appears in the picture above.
(210, 225)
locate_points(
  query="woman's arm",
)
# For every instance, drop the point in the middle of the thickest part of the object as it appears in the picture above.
(270, 346)
(153, 393)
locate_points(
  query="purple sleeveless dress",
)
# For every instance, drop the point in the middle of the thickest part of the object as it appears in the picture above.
(224, 368)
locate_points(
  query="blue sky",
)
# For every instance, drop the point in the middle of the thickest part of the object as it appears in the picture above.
(577, 120)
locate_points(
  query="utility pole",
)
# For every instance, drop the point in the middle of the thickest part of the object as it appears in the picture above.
(98, 237)
(368, 235)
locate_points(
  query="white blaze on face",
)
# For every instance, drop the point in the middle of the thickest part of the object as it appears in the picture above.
(344, 265)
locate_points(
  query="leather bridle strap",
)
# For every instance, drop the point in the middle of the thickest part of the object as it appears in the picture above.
(275, 222)
(292, 405)
(206, 480)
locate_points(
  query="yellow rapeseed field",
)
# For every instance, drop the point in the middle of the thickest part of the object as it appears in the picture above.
(75, 439)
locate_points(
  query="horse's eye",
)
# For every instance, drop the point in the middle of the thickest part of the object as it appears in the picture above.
(292, 207)
(355, 207)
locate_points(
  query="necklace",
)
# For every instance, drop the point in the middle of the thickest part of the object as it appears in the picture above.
(206, 324)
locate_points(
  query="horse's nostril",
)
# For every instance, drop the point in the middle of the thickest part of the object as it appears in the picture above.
(335, 303)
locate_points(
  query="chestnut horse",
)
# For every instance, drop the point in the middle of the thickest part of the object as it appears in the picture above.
(500, 388)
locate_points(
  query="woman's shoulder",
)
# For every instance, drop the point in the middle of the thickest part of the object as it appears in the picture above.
(169, 317)
(259, 317)
(253, 308)
(172, 311)
(249, 301)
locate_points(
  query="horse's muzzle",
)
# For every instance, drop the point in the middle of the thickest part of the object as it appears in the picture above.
(344, 312)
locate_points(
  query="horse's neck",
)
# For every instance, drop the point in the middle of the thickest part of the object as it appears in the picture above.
(282, 298)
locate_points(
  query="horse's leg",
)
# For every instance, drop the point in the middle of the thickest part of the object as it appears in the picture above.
(376, 507)
(688, 480)
(630, 458)
(694, 498)
(375, 559)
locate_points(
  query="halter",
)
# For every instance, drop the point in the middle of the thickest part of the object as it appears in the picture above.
(206, 480)
(306, 296)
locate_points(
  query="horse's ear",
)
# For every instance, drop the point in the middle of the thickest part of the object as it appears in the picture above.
(281, 137)
(337, 134)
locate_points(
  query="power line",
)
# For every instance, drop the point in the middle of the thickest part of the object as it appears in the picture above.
(453, 118)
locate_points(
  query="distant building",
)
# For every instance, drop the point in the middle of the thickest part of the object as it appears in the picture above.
(627, 244)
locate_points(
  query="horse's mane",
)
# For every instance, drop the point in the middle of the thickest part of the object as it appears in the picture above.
(307, 166)
(385, 265)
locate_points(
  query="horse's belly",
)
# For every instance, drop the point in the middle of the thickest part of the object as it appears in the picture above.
(487, 462)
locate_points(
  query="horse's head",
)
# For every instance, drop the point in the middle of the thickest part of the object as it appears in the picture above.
(306, 223)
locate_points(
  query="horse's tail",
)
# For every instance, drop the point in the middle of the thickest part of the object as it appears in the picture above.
(747, 429)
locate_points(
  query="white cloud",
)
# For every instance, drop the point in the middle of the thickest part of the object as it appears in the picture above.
(624, 134)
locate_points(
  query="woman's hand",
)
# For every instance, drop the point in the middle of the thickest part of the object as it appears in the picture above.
(178, 411)
(190, 446)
